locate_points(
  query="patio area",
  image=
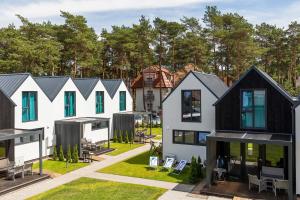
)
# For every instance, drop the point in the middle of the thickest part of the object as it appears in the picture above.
(7, 185)
(231, 189)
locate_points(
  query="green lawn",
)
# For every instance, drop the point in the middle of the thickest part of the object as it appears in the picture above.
(138, 167)
(274, 152)
(87, 188)
(59, 166)
(122, 147)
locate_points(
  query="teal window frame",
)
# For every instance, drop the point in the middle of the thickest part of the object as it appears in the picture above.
(29, 106)
(70, 103)
(250, 108)
(99, 102)
(122, 100)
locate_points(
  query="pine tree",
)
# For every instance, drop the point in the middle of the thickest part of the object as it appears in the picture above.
(61, 154)
(69, 155)
(75, 154)
(54, 156)
(193, 173)
(126, 137)
(120, 139)
(115, 139)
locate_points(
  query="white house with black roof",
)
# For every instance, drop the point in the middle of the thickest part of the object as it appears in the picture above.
(28, 102)
(23, 105)
(97, 104)
(189, 115)
(66, 102)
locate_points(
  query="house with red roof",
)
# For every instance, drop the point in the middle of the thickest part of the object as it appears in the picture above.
(150, 87)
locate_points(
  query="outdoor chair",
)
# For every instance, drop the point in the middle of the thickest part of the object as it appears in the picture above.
(5, 164)
(253, 180)
(28, 168)
(12, 172)
(180, 167)
(280, 184)
(169, 162)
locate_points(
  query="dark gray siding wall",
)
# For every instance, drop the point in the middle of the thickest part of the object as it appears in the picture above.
(7, 112)
(123, 123)
(67, 134)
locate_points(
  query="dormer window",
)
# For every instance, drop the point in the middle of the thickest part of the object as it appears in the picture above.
(253, 111)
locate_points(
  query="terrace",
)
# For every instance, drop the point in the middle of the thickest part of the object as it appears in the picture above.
(16, 173)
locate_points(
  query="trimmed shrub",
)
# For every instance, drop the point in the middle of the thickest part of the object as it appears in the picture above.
(126, 137)
(75, 154)
(193, 172)
(199, 167)
(69, 155)
(54, 156)
(120, 138)
(115, 139)
(61, 154)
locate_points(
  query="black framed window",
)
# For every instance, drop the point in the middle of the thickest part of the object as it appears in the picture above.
(99, 125)
(191, 105)
(189, 137)
(253, 109)
(26, 139)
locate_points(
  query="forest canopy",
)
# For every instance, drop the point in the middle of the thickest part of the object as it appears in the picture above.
(222, 43)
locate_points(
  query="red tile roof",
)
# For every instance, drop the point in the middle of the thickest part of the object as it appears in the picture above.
(166, 78)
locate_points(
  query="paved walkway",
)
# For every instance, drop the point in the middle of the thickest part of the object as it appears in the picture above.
(173, 192)
(87, 171)
(176, 195)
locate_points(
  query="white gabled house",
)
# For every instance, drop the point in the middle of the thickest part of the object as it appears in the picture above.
(189, 115)
(66, 102)
(23, 106)
(28, 103)
(96, 105)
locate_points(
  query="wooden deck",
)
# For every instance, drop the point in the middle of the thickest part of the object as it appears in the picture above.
(7, 185)
(239, 189)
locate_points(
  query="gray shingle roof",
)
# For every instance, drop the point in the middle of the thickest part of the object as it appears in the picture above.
(111, 86)
(212, 82)
(86, 85)
(51, 85)
(9, 83)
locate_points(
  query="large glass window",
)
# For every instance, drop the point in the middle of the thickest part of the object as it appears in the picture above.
(189, 137)
(122, 100)
(29, 106)
(253, 109)
(99, 102)
(70, 104)
(191, 105)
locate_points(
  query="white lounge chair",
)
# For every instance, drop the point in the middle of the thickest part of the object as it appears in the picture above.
(280, 184)
(253, 180)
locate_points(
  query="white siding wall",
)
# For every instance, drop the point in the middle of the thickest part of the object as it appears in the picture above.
(31, 150)
(297, 121)
(172, 120)
(94, 135)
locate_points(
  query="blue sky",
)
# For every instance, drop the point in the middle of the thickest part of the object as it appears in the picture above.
(105, 13)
